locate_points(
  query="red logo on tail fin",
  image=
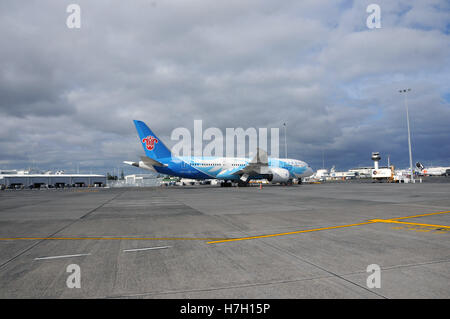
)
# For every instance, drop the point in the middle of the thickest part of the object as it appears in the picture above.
(150, 142)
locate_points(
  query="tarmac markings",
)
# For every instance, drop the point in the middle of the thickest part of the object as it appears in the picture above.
(108, 238)
(423, 229)
(289, 233)
(390, 221)
(223, 240)
(149, 248)
(64, 256)
(393, 220)
(423, 215)
(80, 255)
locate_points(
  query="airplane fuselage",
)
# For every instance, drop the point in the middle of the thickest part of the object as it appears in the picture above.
(224, 168)
(436, 171)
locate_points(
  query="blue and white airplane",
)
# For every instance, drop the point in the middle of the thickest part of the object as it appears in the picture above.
(228, 169)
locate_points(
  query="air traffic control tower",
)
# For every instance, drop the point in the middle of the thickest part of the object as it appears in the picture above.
(376, 158)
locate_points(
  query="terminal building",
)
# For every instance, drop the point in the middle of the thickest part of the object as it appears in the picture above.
(14, 179)
(362, 172)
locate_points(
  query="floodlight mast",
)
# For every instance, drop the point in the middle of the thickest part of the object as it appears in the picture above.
(405, 91)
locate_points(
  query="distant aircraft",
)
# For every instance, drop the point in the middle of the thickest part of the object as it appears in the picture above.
(434, 171)
(228, 169)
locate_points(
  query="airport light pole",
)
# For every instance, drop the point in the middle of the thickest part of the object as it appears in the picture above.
(323, 159)
(285, 141)
(405, 91)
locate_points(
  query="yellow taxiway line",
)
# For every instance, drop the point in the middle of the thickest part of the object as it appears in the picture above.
(289, 233)
(223, 240)
(389, 221)
(423, 215)
(393, 220)
(108, 238)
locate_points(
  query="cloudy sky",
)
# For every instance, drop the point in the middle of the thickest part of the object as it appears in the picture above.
(68, 96)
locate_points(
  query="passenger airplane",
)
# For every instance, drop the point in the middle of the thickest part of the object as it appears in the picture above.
(228, 169)
(433, 171)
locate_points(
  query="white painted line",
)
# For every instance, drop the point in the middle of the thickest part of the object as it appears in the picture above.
(56, 257)
(150, 248)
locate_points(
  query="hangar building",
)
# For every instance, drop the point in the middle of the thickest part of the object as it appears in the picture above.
(23, 179)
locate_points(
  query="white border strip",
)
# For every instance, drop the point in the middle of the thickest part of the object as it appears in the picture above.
(150, 248)
(64, 256)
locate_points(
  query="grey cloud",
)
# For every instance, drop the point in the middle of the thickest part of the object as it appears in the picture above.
(69, 96)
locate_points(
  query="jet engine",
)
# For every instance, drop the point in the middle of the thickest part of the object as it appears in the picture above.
(279, 175)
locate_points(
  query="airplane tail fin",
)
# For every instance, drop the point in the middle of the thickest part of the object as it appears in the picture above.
(420, 166)
(154, 148)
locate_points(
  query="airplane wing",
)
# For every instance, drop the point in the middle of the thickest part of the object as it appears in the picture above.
(259, 165)
(131, 163)
(151, 162)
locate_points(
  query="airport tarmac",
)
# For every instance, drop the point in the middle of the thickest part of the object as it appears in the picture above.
(302, 241)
